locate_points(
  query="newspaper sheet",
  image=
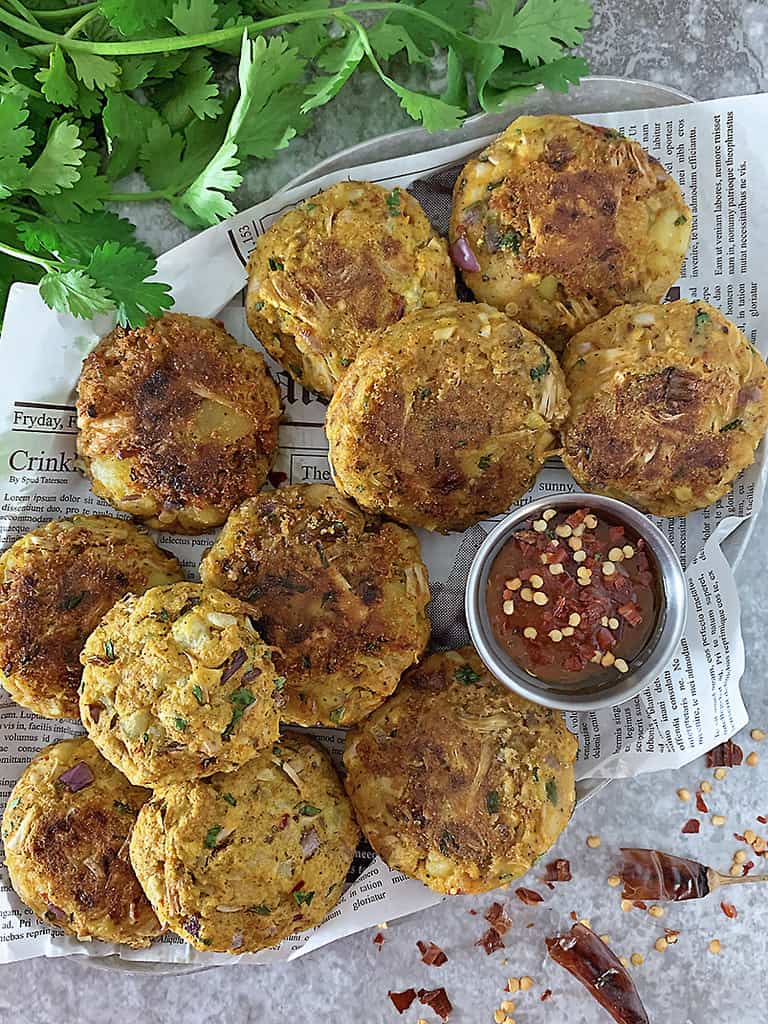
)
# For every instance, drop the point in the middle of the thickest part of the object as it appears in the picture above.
(716, 151)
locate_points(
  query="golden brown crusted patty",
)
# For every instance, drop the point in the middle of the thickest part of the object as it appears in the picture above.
(446, 419)
(346, 262)
(238, 862)
(456, 780)
(339, 593)
(55, 584)
(568, 220)
(177, 684)
(669, 404)
(177, 422)
(66, 847)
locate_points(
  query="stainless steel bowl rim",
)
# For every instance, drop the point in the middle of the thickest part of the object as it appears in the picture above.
(674, 606)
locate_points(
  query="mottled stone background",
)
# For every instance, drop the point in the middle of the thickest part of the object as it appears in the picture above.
(706, 48)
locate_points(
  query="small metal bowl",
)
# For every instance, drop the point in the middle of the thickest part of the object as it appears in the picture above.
(587, 695)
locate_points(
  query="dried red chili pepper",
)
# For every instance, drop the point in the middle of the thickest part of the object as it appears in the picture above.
(431, 954)
(728, 909)
(725, 755)
(691, 827)
(437, 1000)
(529, 896)
(558, 871)
(402, 1000)
(497, 917)
(491, 941)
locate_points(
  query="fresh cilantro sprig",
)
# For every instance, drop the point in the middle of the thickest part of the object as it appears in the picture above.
(93, 92)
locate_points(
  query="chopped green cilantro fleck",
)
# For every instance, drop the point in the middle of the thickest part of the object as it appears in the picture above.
(109, 650)
(241, 699)
(279, 682)
(535, 773)
(123, 807)
(310, 206)
(15, 803)
(337, 714)
(733, 425)
(680, 220)
(551, 789)
(304, 897)
(261, 908)
(145, 738)
(702, 317)
(163, 615)
(424, 392)
(484, 461)
(466, 675)
(510, 240)
(345, 361)
(258, 306)
(197, 692)
(306, 661)
(228, 798)
(73, 600)
(393, 202)
(277, 750)
(180, 723)
(492, 801)
(541, 370)
(296, 370)
(211, 836)
(275, 264)
(308, 810)
(446, 841)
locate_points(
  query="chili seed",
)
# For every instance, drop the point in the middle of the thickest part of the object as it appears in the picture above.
(621, 665)
(527, 594)
(749, 836)
(608, 568)
(720, 773)
(530, 633)
(513, 984)
(740, 856)
(582, 572)
(604, 620)
(656, 911)
(606, 939)
(556, 568)
(752, 759)
(563, 530)
(514, 584)
(508, 1006)
(637, 959)
(585, 921)
(718, 819)
(714, 946)
(613, 881)
(706, 786)
(584, 581)
(616, 555)
(660, 944)
(593, 842)
(499, 1016)
(539, 525)
(590, 521)
(758, 735)
(580, 556)
(555, 635)
(549, 514)
(574, 619)
(735, 870)
(568, 630)
(526, 983)
(540, 598)
(508, 607)
(578, 531)
(623, 961)
(536, 581)
(575, 543)
(626, 905)
(613, 623)
(628, 550)
(607, 659)
(683, 794)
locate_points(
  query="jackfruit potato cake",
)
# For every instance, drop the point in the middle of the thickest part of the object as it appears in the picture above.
(177, 422)
(558, 221)
(456, 780)
(56, 582)
(65, 831)
(668, 405)
(340, 594)
(178, 684)
(344, 263)
(237, 862)
(446, 418)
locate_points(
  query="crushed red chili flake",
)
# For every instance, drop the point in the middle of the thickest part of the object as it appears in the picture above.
(725, 755)
(378, 940)
(497, 917)
(747, 867)
(739, 837)
(728, 909)
(402, 1000)
(691, 827)
(545, 995)
(437, 1000)
(472, 912)
(762, 819)
(431, 954)
(640, 904)
(701, 807)
(558, 871)
(529, 896)
(671, 935)
(491, 941)
(574, 916)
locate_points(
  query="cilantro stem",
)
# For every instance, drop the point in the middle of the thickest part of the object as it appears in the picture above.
(22, 10)
(27, 257)
(137, 197)
(64, 13)
(80, 23)
(222, 35)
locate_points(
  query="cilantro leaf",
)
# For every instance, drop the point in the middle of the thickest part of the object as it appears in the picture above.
(191, 93)
(93, 71)
(132, 16)
(122, 271)
(15, 142)
(388, 38)
(279, 120)
(77, 240)
(193, 17)
(74, 292)
(339, 61)
(538, 30)
(455, 91)
(126, 125)
(203, 202)
(87, 194)
(435, 114)
(425, 34)
(160, 156)
(58, 86)
(12, 56)
(57, 167)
